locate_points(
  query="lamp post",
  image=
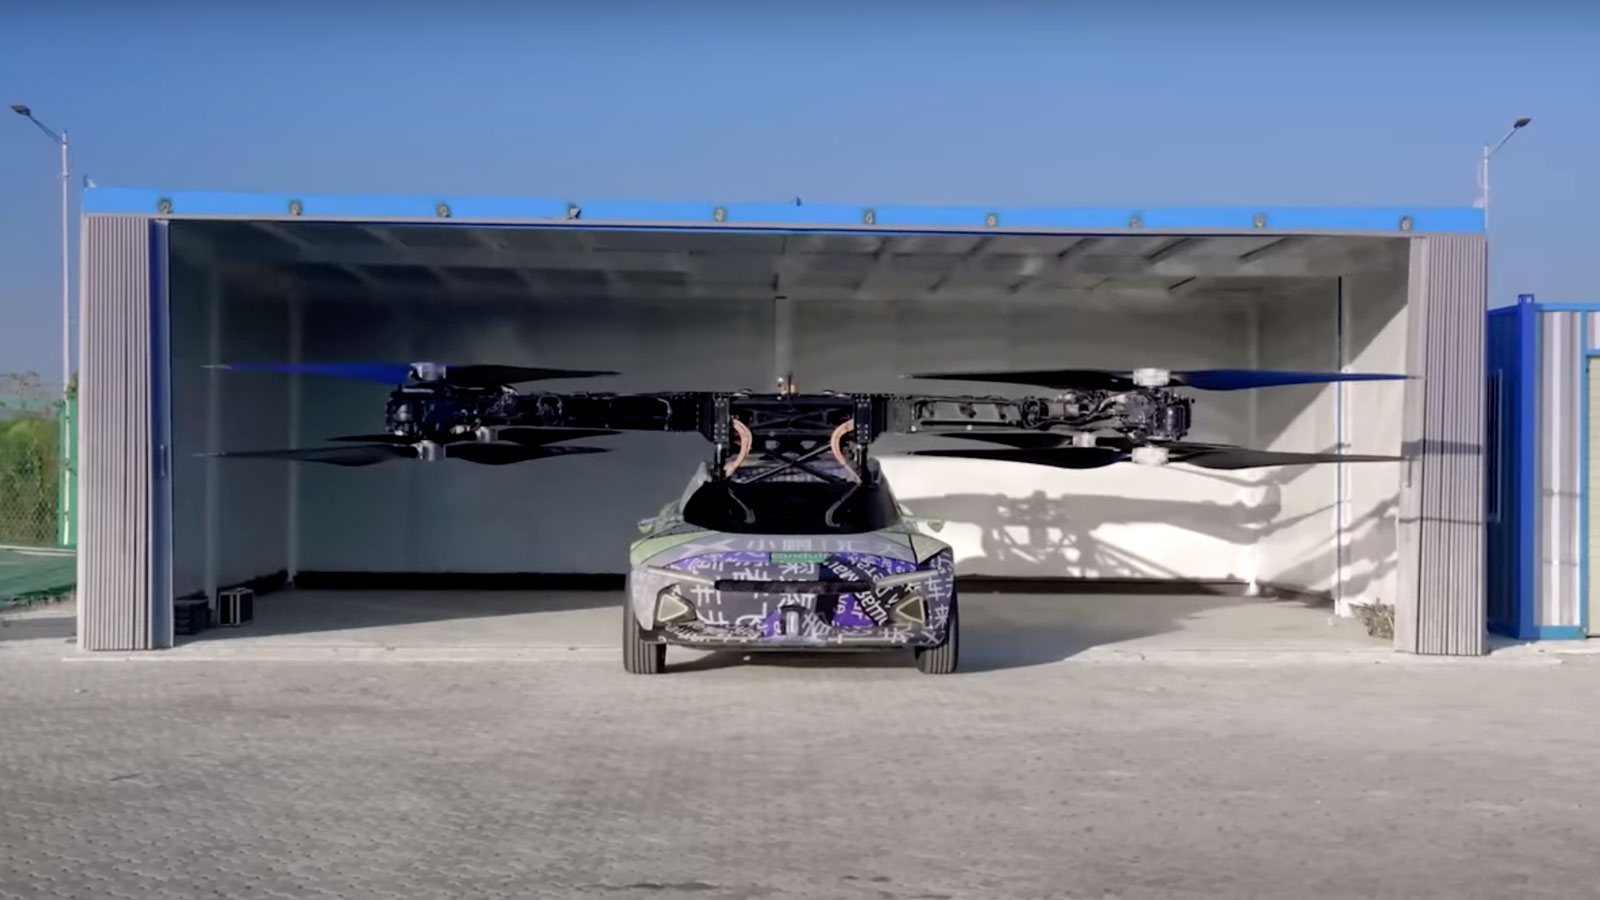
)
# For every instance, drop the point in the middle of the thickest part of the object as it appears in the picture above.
(63, 452)
(1483, 166)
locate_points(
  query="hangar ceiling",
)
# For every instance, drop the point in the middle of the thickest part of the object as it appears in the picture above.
(497, 264)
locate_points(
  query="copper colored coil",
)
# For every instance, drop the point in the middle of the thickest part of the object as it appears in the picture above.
(745, 441)
(838, 451)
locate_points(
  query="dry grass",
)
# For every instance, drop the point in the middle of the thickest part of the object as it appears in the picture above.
(1378, 618)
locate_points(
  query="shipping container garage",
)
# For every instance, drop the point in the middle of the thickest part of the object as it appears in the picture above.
(704, 297)
(1543, 443)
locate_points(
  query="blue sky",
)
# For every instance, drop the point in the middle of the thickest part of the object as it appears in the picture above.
(985, 103)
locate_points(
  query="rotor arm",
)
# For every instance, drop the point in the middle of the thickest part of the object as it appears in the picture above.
(675, 412)
(1141, 414)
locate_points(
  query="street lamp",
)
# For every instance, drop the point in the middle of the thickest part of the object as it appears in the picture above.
(66, 290)
(1483, 166)
(65, 524)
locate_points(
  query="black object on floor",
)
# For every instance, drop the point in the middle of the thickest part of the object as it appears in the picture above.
(235, 606)
(190, 615)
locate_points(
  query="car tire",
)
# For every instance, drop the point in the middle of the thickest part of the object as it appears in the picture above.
(942, 658)
(640, 656)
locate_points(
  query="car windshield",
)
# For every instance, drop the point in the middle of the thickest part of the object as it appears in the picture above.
(792, 507)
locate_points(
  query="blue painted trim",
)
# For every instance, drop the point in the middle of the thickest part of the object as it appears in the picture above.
(1556, 633)
(1527, 421)
(1563, 307)
(783, 216)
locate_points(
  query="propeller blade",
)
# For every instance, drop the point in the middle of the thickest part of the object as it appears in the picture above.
(529, 436)
(1021, 440)
(388, 373)
(368, 455)
(500, 454)
(491, 375)
(1199, 379)
(1058, 457)
(1245, 379)
(1218, 457)
(399, 373)
(1059, 379)
(373, 439)
(525, 435)
(1205, 456)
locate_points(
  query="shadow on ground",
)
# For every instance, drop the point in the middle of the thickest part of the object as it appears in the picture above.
(53, 621)
(403, 614)
(1010, 631)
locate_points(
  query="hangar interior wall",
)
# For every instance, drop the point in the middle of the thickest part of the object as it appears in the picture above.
(230, 521)
(1032, 521)
(559, 515)
(573, 515)
(1357, 324)
(246, 519)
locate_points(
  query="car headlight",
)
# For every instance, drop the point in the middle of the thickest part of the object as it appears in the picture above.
(905, 578)
(911, 609)
(684, 577)
(672, 607)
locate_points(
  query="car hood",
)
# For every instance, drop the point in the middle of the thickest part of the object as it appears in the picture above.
(664, 549)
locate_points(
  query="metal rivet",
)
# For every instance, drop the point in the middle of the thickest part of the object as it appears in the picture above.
(719, 214)
(869, 217)
(991, 220)
(1260, 221)
(573, 211)
(295, 208)
(442, 210)
(1405, 223)
(1135, 222)
(163, 206)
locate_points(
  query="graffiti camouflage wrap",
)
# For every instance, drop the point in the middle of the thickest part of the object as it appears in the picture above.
(888, 588)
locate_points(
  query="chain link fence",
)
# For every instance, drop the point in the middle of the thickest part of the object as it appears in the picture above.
(33, 419)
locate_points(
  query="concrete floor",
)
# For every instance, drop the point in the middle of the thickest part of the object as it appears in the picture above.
(1091, 777)
(1097, 747)
(999, 630)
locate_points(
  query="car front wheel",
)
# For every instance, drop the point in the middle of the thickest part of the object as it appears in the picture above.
(640, 656)
(942, 659)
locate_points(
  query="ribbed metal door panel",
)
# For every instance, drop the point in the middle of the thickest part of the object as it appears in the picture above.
(1556, 515)
(1441, 607)
(118, 465)
(1592, 456)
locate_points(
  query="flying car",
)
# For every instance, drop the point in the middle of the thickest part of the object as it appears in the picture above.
(778, 557)
(789, 536)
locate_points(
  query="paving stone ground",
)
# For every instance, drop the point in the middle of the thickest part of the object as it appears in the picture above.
(798, 778)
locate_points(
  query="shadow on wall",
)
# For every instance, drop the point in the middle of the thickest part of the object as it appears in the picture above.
(1370, 555)
(1046, 537)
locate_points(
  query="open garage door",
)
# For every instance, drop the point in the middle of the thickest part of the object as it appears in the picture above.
(717, 306)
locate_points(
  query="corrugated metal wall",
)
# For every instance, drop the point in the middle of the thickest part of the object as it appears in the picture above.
(1556, 520)
(1441, 607)
(116, 546)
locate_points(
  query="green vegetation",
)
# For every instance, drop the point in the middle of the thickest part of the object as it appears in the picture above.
(30, 464)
